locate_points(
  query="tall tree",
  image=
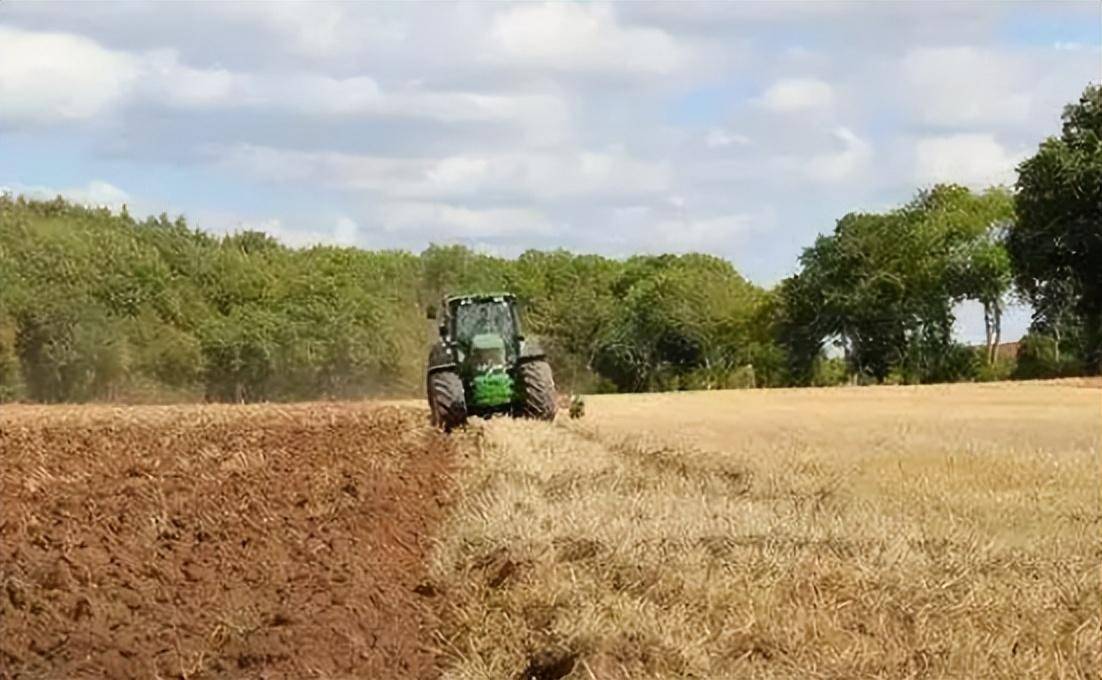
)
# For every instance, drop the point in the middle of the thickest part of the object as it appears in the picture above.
(1056, 244)
(978, 266)
(883, 286)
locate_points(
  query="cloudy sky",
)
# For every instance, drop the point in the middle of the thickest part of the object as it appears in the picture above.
(741, 130)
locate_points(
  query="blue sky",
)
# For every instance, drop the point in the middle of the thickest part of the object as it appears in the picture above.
(739, 129)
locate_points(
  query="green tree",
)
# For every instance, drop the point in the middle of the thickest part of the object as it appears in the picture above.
(883, 286)
(567, 303)
(799, 325)
(979, 266)
(1056, 243)
(680, 322)
(239, 354)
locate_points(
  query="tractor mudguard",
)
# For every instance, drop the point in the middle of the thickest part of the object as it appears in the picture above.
(531, 350)
(440, 359)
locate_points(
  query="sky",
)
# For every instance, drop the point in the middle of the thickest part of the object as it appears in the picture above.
(737, 129)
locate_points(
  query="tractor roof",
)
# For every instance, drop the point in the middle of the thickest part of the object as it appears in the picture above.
(480, 297)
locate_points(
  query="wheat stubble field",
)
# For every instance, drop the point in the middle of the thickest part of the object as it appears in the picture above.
(942, 531)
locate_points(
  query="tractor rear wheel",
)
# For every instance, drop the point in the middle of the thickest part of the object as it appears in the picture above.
(446, 400)
(537, 390)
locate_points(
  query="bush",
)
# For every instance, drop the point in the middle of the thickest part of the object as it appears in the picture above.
(172, 356)
(958, 363)
(9, 364)
(1002, 369)
(1037, 359)
(830, 372)
(742, 378)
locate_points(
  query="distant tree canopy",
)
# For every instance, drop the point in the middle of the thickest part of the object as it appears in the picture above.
(97, 305)
(883, 287)
(94, 304)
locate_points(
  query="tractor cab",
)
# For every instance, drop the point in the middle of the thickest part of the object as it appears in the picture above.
(484, 327)
(482, 364)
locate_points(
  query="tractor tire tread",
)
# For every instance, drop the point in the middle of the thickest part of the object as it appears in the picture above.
(537, 390)
(446, 400)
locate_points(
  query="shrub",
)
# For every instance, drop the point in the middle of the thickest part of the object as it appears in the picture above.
(1037, 358)
(829, 372)
(1002, 369)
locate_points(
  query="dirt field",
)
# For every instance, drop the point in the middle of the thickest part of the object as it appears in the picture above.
(943, 531)
(949, 531)
(217, 541)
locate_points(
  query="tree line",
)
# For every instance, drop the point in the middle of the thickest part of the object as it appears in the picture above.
(96, 304)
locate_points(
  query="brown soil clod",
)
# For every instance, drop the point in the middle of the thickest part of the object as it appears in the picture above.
(426, 589)
(549, 664)
(213, 541)
(576, 549)
(502, 573)
(499, 568)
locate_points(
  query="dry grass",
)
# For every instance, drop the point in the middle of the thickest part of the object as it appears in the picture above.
(875, 532)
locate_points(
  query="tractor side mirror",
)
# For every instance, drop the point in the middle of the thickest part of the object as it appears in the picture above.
(430, 312)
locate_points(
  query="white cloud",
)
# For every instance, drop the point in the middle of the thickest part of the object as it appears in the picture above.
(973, 159)
(841, 165)
(967, 85)
(544, 116)
(343, 232)
(710, 233)
(166, 80)
(605, 121)
(360, 95)
(54, 76)
(534, 175)
(314, 29)
(577, 37)
(96, 193)
(451, 221)
(321, 95)
(47, 77)
(719, 137)
(797, 94)
(832, 166)
(658, 229)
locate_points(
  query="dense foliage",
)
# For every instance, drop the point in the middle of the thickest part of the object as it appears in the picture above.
(99, 305)
(883, 287)
(96, 305)
(1056, 243)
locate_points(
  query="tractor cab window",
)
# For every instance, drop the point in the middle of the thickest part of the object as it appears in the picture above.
(478, 318)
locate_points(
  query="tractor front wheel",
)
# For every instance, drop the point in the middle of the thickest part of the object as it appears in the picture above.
(537, 390)
(446, 400)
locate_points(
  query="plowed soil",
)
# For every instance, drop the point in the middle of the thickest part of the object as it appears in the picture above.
(215, 541)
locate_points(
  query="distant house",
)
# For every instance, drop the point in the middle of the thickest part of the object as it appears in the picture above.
(1006, 350)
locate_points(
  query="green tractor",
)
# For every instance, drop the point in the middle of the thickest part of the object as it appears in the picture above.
(482, 364)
